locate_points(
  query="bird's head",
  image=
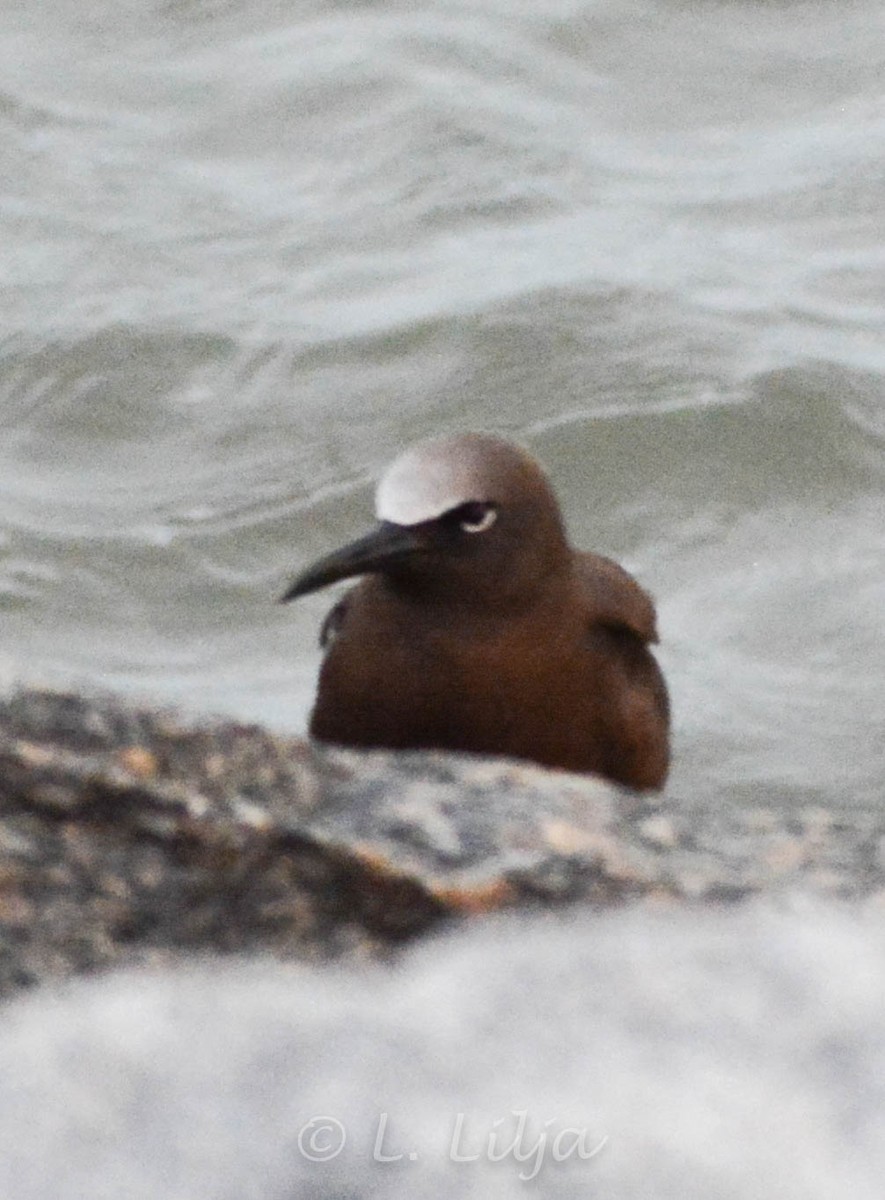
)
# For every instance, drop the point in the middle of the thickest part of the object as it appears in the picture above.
(469, 519)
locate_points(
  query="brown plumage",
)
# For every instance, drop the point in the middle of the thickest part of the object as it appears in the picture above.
(478, 628)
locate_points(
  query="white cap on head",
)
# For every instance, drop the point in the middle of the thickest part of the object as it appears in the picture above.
(442, 473)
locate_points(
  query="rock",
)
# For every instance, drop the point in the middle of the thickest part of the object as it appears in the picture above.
(128, 835)
(686, 1054)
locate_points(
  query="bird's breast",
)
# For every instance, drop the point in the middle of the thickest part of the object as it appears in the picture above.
(394, 678)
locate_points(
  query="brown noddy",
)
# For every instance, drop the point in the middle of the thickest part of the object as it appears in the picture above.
(477, 627)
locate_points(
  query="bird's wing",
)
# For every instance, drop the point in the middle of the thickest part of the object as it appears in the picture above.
(614, 598)
(333, 621)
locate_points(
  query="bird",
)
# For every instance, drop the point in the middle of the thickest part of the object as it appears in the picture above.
(476, 627)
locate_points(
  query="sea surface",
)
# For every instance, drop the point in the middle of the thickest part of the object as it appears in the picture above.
(251, 251)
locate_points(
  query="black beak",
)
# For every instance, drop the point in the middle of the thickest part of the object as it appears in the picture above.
(385, 545)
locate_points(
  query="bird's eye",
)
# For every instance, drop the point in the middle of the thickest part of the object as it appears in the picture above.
(477, 517)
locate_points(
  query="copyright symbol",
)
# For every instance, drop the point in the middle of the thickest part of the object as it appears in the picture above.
(321, 1139)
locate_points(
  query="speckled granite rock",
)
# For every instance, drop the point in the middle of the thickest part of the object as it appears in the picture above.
(128, 835)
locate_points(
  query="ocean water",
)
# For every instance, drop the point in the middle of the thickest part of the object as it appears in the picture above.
(249, 252)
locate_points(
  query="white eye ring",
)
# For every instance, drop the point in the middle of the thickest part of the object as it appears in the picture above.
(486, 521)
